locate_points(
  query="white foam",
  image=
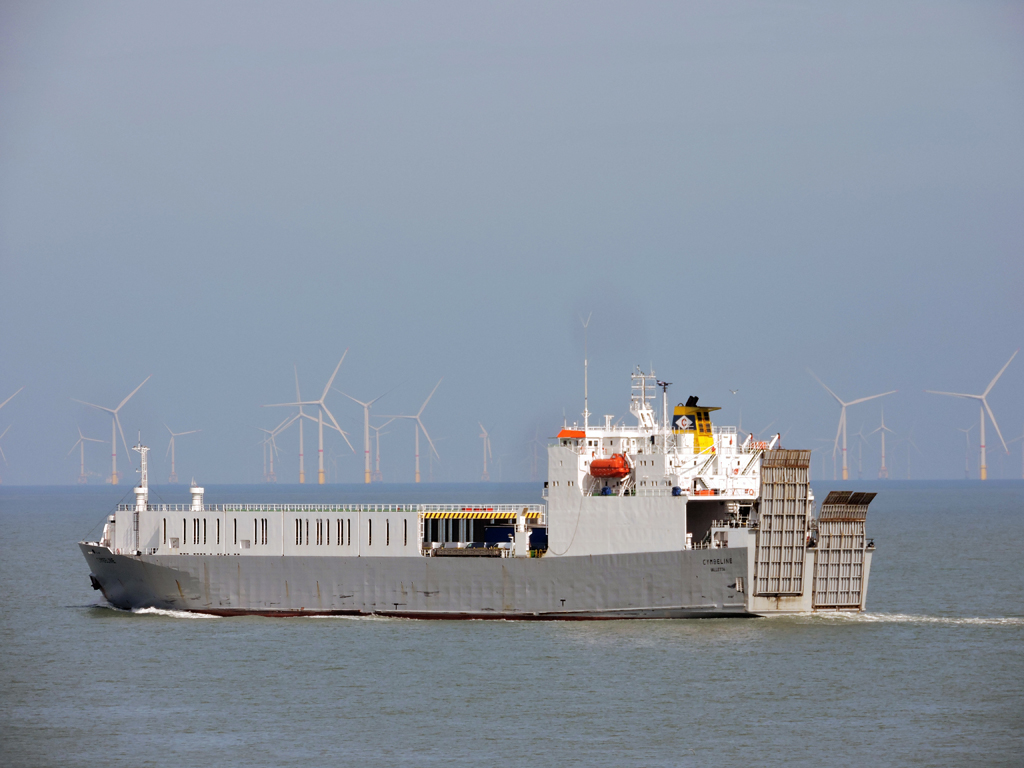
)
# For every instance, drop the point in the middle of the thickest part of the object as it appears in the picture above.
(906, 618)
(171, 614)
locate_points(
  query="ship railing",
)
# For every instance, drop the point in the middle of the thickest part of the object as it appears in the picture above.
(419, 508)
(730, 523)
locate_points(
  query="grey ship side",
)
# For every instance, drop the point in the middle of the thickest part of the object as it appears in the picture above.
(664, 519)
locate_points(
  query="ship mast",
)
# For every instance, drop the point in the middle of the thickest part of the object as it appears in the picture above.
(586, 410)
(141, 491)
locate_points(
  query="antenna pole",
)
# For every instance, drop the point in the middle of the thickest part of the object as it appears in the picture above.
(586, 410)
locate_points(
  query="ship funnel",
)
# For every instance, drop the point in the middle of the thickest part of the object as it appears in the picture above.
(197, 497)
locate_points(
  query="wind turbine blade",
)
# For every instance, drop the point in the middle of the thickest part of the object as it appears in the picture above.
(994, 424)
(993, 382)
(352, 398)
(168, 451)
(331, 380)
(168, 428)
(281, 405)
(5, 402)
(190, 432)
(420, 413)
(427, 434)
(80, 440)
(127, 451)
(873, 397)
(839, 431)
(2, 452)
(92, 405)
(133, 392)
(335, 422)
(953, 394)
(297, 395)
(826, 386)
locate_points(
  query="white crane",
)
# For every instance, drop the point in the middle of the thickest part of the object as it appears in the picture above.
(983, 409)
(115, 428)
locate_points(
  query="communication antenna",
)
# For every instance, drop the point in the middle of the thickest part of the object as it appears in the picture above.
(586, 410)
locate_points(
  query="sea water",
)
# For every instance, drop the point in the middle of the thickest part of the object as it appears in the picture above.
(932, 674)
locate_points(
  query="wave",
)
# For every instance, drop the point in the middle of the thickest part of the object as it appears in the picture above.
(906, 618)
(171, 614)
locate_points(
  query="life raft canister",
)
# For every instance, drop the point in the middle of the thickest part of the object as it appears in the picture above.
(615, 466)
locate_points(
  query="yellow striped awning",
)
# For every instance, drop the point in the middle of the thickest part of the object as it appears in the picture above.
(477, 514)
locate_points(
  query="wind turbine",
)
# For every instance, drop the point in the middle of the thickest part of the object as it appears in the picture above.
(842, 418)
(860, 452)
(983, 408)
(170, 449)
(367, 476)
(115, 428)
(82, 477)
(487, 451)
(419, 426)
(883, 472)
(322, 408)
(909, 440)
(967, 450)
(270, 447)
(377, 476)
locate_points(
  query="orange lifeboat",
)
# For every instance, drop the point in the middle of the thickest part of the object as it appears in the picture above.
(615, 466)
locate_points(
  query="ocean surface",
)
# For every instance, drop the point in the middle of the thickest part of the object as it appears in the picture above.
(933, 674)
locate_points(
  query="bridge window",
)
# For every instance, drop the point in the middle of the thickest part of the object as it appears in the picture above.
(218, 530)
(204, 531)
(165, 530)
(369, 532)
(234, 522)
(387, 533)
(298, 531)
(350, 531)
(405, 532)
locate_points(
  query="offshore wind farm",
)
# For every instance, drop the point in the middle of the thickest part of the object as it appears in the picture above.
(345, 314)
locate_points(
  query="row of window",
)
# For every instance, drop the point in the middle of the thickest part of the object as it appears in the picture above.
(260, 527)
(343, 532)
(199, 531)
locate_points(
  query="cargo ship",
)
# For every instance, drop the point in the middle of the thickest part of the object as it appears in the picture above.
(670, 517)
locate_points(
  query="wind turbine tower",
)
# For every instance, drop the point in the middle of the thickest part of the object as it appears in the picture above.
(170, 450)
(485, 477)
(115, 428)
(841, 430)
(983, 408)
(377, 476)
(82, 439)
(883, 471)
(367, 474)
(419, 426)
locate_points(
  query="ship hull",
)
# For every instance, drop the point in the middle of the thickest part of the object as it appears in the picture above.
(678, 584)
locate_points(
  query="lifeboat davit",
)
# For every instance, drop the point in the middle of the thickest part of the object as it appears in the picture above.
(615, 466)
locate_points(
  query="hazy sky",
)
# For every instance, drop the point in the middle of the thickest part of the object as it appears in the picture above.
(737, 192)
